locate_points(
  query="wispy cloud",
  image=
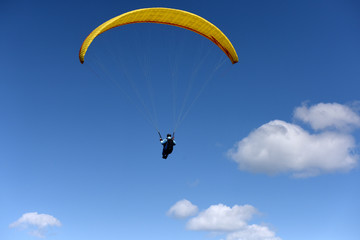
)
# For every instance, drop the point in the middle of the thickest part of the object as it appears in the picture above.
(280, 147)
(37, 223)
(182, 209)
(194, 183)
(231, 221)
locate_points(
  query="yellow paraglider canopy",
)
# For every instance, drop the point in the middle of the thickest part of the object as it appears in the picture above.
(167, 16)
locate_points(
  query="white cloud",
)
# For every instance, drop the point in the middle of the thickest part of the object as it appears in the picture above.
(231, 221)
(326, 115)
(253, 232)
(37, 222)
(279, 146)
(182, 209)
(221, 218)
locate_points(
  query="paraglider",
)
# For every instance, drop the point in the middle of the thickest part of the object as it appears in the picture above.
(168, 16)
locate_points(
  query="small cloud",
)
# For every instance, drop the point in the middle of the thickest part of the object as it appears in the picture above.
(253, 232)
(328, 115)
(221, 218)
(182, 209)
(38, 223)
(279, 147)
(231, 222)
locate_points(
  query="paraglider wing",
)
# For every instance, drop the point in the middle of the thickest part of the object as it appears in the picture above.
(167, 16)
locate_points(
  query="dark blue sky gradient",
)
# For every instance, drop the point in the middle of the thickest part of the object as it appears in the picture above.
(74, 147)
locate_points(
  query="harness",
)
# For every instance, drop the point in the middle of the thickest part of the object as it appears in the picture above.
(169, 145)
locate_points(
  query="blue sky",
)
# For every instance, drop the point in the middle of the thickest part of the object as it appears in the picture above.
(268, 151)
